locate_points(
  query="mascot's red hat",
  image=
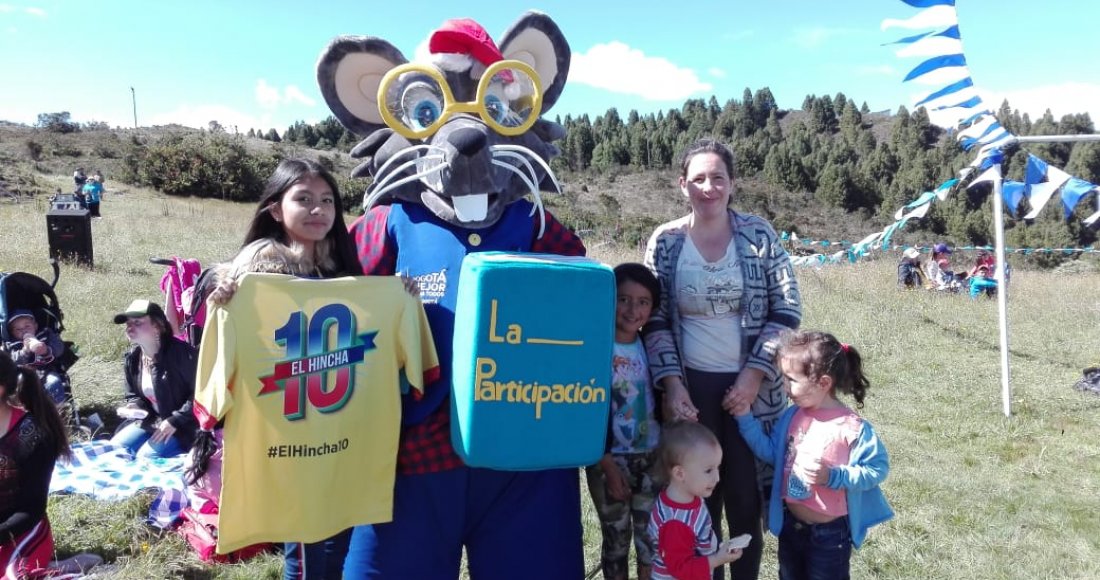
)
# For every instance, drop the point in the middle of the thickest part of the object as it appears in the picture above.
(464, 36)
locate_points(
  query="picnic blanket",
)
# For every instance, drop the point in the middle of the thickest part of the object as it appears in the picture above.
(108, 471)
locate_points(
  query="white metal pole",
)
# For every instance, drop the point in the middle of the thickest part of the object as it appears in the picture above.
(999, 232)
(1002, 289)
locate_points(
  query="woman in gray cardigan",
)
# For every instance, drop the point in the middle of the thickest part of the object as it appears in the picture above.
(727, 291)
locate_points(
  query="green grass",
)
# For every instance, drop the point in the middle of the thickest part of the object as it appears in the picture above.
(977, 495)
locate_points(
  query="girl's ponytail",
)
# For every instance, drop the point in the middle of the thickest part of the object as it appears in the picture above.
(851, 379)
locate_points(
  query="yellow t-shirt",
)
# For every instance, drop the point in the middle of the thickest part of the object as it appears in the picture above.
(306, 374)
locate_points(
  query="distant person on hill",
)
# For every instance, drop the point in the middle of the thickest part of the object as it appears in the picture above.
(92, 192)
(79, 178)
(909, 270)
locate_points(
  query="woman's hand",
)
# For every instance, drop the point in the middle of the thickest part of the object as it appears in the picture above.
(678, 403)
(743, 391)
(164, 431)
(617, 486)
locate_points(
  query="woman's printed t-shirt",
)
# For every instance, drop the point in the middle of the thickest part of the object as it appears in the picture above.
(708, 295)
(306, 375)
(633, 421)
(814, 437)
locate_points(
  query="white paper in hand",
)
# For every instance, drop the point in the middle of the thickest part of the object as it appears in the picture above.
(739, 543)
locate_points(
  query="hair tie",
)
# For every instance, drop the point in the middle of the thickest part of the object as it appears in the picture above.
(844, 347)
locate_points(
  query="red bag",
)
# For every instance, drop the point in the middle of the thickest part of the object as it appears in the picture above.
(201, 532)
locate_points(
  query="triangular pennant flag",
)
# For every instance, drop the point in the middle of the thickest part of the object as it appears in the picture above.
(994, 172)
(1072, 193)
(924, 199)
(967, 104)
(1042, 192)
(948, 90)
(967, 121)
(931, 46)
(949, 32)
(1001, 140)
(933, 16)
(929, 3)
(944, 188)
(980, 128)
(1013, 193)
(1035, 172)
(936, 62)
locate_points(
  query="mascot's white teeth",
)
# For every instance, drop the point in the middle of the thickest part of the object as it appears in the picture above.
(471, 208)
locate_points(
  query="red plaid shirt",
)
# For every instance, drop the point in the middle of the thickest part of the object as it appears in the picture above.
(426, 447)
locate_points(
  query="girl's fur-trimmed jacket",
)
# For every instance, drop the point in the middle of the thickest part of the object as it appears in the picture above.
(265, 256)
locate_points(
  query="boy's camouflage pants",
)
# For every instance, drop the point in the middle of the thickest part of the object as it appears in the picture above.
(620, 520)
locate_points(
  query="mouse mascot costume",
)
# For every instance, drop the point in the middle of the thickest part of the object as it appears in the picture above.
(458, 153)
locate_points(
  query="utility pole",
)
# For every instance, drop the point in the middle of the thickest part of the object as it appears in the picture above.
(133, 97)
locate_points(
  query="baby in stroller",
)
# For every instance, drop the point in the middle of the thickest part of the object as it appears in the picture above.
(40, 350)
(31, 333)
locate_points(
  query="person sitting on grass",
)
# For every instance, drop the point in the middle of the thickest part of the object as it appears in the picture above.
(160, 385)
(32, 438)
(938, 270)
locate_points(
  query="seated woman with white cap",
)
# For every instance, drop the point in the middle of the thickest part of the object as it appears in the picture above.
(160, 385)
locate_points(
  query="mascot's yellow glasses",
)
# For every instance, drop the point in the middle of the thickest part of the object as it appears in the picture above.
(415, 100)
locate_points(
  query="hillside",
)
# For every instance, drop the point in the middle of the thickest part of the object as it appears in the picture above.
(831, 170)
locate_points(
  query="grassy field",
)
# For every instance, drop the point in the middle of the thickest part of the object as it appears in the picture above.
(977, 495)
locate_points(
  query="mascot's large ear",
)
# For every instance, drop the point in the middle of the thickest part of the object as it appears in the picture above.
(349, 72)
(536, 40)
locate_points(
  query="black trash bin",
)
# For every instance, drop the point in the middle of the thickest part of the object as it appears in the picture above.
(69, 227)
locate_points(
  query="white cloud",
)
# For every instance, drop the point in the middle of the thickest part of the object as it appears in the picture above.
(716, 72)
(292, 94)
(816, 36)
(35, 11)
(5, 8)
(270, 97)
(618, 68)
(266, 95)
(1061, 99)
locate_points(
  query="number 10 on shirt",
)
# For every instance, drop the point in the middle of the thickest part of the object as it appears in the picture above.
(303, 376)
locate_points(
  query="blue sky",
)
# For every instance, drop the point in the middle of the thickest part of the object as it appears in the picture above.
(252, 64)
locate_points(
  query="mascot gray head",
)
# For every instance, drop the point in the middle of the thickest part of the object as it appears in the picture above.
(459, 130)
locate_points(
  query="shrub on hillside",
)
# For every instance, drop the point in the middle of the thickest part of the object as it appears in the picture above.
(201, 165)
(34, 149)
(57, 122)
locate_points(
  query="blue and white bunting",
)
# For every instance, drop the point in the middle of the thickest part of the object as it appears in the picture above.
(955, 96)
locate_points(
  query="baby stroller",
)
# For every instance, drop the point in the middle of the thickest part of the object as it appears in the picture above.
(23, 291)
